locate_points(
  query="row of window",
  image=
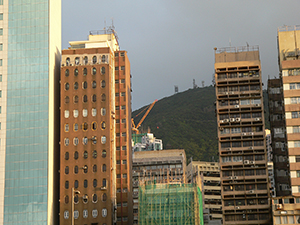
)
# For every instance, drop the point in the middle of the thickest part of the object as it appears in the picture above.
(84, 85)
(291, 72)
(85, 214)
(239, 102)
(85, 71)
(85, 60)
(237, 130)
(251, 73)
(239, 88)
(246, 187)
(85, 98)
(243, 217)
(241, 158)
(85, 155)
(84, 112)
(236, 144)
(85, 169)
(228, 173)
(242, 115)
(84, 126)
(85, 198)
(85, 183)
(85, 140)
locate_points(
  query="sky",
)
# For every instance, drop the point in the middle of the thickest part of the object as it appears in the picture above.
(171, 42)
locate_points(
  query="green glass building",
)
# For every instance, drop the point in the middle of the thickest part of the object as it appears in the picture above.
(30, 45)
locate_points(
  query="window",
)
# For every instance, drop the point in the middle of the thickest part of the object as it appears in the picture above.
(95, 213)
(94, 126)
(1, 47)
(67, 141)
(94, 71)
(76, 214)
(103, 83)
(103, 153)
(123, 107)
(122, 93)
(95, 183)
(67, 73)
(85, 213)
(76, 184)
(67, 185)
(75, 127)
(94, 154)
(66, 113)
(85, 60)
(85, 169)
(104, 183)
(75, 141)
(85, 183)
(84, 71)
(66, 213)
(76, 155)
(84, 141)
(104, 168)
(67, 86)
(94, 198)
(0, 77)
(94, 98)
(76, 72)
(104, 212)
(76, 169)
(296, 129)
(103, 97)
(94, 84)
(76, 99)
(297, 158)
(1, 31)
(103, 111)
(94, 112)
(124, 175)
(66, 170)
(67, 199)
(85, 98)
(75, 85)
(77, 61)
(67, 99)
(94, 168)
(117, 107)
(103, 139)
(84, 112)
(66, 127)
(84, 126)
(67, 156)
(104, 197)
(103, 125)
(123, 81)
(1, 62)
(84, 85)
(102, 70)
(75, 113)
(94, 59)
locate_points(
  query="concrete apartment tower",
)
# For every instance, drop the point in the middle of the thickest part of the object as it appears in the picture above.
(289, 66)
(242, 145)
(30, 42)
(95, 171)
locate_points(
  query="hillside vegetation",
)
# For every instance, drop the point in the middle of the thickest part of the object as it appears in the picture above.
(186, 120)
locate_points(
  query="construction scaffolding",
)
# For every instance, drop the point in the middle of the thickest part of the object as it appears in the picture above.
(170, 204)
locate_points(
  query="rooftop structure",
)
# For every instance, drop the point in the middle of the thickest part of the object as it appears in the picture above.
(146, 142)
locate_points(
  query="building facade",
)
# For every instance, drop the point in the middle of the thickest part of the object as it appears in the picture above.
(95, 172)
(286, 210)
(164, 166)
(211, 186)
(289, 66)
(30, 42)
(278, 136)
(242, 145)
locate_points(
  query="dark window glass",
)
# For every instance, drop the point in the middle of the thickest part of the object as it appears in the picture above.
(68, 61)
(67, 73)
(104, 197)
(94, 71)
(94, 154)
(95, 168)
(76, 184)
(85, 60)
(67, 156)
(67, 184)
(103, 97)
(103, 70)
(94, 84)
(94, 98)
(76, 155)
(85, 183)
(95, 182)
(75, 85)
(85, 155)
(77, 61)
(103, 125)
(85, 71)
(104, 183)
(76, 199)
(85, 126)
(84, 85)
(76, 72)
(104, 168)
(67, 99)
(67, 170)
(104, 153)
(103, 83)
(67, 86)
(103, 59)
(94, 125)
(76, 99)
(95, 198)
(67, 199)
(85, 169)
(85, 98)
(76, 169)
(94, 59)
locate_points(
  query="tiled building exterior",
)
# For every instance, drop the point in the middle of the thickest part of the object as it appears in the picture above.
(95, 132)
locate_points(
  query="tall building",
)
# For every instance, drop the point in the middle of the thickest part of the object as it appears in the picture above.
(242, 145)
(278, 136)
(289, 66)
(95, 159)
(30, 42)
(164, 166)
(211, 190)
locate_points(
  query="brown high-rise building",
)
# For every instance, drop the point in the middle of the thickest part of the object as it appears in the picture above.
(242, 146)
(95, 174)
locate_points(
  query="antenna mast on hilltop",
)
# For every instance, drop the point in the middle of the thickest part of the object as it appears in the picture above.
(176, 89)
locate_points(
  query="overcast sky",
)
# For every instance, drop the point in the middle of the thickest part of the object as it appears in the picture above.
(170, 42)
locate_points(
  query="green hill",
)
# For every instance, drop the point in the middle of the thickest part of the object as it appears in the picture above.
(186, 120)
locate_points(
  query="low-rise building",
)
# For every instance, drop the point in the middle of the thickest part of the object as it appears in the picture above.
(286, 210)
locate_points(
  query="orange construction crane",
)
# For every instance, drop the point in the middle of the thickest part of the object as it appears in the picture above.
(135, 128)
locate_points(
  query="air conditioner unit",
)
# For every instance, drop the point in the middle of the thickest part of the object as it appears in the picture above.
(236, 178)
(226, 120)
(237, 207)
(62, 64)
(237, 119)
(278, 206)
(246, 161)
(251, 148)
(71, 64)
(236, 106)
(232, 93)
(221, 121)
(232, 119)
(226, 93)
(257, 119)
(257, 104)
(221, 128)
(230, 177)
(251, 133)
(251, 191)
(251, 162)
(244, 133)
(228, 149)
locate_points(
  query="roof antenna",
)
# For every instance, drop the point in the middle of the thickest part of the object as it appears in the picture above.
(112, 23)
